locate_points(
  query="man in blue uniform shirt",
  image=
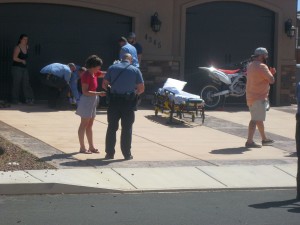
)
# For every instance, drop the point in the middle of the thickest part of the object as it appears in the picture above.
(56, 77)
(130, 49)
(126, 83)
(139, 49)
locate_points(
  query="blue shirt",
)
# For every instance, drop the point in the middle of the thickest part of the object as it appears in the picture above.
(298, 97)
(128, 48)
(75, 75)
(59, 70)
(128, 79)
(138, 48)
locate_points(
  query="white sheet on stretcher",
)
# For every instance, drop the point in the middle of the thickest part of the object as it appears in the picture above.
(179, 96)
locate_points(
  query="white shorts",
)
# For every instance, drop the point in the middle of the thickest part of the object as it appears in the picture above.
(87, 106)
(258, 110)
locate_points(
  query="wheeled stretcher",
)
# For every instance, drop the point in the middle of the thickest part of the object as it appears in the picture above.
(172, 100)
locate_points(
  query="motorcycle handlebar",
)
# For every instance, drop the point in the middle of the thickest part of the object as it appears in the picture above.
(243, 63)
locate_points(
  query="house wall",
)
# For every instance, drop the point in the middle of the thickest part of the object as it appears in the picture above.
(164, 51)
(284, 47)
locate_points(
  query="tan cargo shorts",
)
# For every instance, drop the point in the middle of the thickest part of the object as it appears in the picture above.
(258, 110)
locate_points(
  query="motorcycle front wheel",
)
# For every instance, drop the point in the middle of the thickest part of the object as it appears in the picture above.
(211, 102)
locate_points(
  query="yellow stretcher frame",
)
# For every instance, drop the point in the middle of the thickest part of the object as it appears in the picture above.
(164, 105)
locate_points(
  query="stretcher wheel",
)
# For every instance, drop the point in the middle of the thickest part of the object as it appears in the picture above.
(202, 115)
(156, 111)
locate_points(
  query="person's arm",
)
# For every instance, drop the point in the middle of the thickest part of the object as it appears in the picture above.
(140, 88)
(139, 50)
(100, 74)
(105, 84)
(122, 53)
(272, 70)
(268, 74)
(106, 79)
(67, 77)
(86, 92)
(16, 56)
(140, 58)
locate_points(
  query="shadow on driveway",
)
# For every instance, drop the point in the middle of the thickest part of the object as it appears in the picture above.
(175, 124)
(68, 160)
(230, 151)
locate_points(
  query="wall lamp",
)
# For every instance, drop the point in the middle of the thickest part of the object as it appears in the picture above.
(290, 30)
(155, 23)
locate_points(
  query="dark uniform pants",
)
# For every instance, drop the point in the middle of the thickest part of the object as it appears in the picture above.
(57, 89)
(298, 152)
(119, 109)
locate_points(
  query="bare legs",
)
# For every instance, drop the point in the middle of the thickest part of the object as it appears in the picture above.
(85, 127)
(252, 128)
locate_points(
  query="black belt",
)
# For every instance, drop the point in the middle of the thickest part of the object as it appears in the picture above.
(49, 76)
(127, 96)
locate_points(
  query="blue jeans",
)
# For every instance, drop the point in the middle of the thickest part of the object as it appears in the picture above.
(57, 90)
(73, 85)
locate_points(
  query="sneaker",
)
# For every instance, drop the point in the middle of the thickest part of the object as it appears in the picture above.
(30, 101)
(252, 145)
(267, 142)
(72, 101)
(108, 156)
(128, 157)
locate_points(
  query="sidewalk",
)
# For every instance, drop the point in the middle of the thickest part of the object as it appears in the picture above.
(167, 157)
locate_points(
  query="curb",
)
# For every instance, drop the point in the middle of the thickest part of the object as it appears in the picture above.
(49, 188)
(57, 188)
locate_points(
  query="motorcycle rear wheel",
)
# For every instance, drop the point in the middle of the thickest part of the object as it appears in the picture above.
(211, 102)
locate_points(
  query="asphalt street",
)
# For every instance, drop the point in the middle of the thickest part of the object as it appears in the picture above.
(259, 207)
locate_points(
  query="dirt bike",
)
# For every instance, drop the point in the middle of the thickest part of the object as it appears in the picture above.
(224, 83)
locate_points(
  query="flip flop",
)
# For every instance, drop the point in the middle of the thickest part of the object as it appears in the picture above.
(94, 150)
(84, 151)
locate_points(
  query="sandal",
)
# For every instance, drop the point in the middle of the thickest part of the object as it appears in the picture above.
(84, 151)
(94, 150)
(252, 145)
(267, 142)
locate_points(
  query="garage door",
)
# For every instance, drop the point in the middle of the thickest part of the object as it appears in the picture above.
(57, 33)
(223, 34)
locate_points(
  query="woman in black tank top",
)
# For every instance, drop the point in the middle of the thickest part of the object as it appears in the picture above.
(20, 73)
(20, 60)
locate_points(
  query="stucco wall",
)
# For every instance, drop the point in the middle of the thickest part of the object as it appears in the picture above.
(283, 10)
(172, 14)
(168, 45)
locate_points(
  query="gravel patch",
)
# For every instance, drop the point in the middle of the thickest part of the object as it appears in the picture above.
(13, 158)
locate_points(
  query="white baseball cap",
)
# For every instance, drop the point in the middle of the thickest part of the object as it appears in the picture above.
(260, 51)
